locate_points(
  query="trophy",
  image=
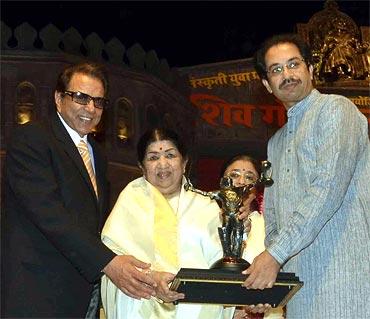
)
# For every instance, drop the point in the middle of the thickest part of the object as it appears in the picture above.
(231, 232)
(222, 284)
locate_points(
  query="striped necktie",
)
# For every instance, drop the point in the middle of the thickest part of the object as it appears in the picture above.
(84, 152)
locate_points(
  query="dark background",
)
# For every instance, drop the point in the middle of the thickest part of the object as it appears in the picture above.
(185, 33)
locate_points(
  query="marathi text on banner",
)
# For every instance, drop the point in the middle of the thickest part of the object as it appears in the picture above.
(217, 111)
(363, 104)
(222, 79)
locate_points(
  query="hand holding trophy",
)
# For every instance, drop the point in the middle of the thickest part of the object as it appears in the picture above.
(231, 232)
(222, 283)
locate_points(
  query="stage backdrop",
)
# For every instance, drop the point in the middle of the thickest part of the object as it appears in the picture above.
(237, 114)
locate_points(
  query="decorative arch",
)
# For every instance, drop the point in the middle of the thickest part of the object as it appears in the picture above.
(25, 99)
(123, 120)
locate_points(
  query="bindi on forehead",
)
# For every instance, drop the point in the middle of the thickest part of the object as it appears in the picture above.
(242, 169)
(161, 149)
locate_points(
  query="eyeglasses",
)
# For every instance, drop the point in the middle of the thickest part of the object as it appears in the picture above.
(84, 99)
(249, 177)
(278, 69)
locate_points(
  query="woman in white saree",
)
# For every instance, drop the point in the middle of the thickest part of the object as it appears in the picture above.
(158, 222)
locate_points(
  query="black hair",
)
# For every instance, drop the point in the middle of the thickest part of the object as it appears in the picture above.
(240, 157)
(92, 69)
(259, 57)
(257, 202)
(159, 134)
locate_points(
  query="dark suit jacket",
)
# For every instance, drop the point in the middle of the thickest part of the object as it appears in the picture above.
(51, 248)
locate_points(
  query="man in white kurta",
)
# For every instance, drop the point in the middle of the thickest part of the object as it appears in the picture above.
(318, 210)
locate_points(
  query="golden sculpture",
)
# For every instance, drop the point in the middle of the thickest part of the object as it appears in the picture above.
(343, 56)
(338, 50)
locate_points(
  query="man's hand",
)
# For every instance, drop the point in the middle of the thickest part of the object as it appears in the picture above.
(124, 273)
(262, 272)
(163, 292)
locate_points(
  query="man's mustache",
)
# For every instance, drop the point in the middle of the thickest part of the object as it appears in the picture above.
(289, 81)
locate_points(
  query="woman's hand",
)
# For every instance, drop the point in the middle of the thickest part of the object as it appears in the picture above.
(245, 210)
(251, 311)
(260, 308)
(163, 292)
(240, 314)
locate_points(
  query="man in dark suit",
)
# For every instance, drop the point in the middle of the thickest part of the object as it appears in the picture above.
(52, 256)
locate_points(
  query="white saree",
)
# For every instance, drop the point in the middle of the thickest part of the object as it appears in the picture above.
(129, 230)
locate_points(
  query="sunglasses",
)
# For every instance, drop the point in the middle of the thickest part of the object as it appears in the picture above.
(84, 99)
